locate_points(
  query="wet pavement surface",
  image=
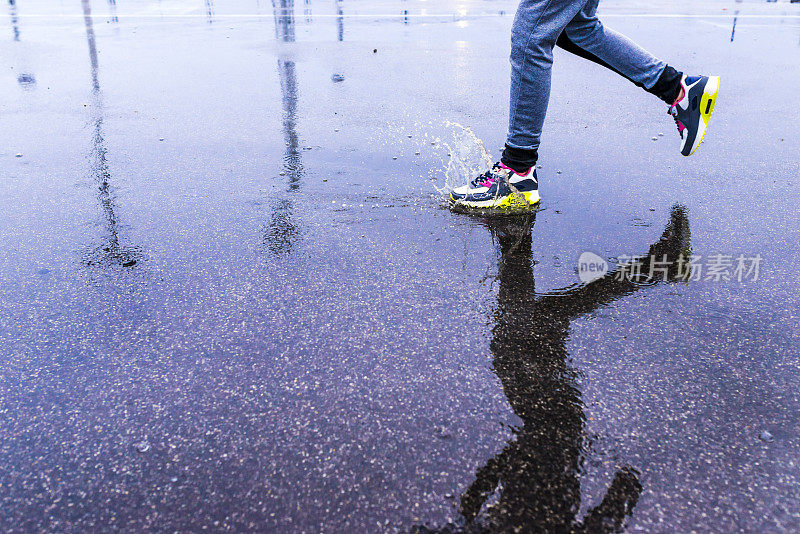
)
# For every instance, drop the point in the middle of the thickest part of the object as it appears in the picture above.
(231, 297)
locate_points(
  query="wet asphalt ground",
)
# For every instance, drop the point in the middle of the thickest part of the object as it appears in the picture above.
(231, 298)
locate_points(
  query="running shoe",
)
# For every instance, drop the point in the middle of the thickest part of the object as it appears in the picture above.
(498, 188)
(693, 110)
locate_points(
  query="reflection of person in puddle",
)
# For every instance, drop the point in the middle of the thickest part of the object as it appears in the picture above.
(533, 484)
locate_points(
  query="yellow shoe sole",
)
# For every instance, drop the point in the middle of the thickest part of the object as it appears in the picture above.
(707, 103)
(509, 203)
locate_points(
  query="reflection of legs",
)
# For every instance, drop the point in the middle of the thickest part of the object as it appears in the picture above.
(533, 485)
(538, 26)
(618, 503)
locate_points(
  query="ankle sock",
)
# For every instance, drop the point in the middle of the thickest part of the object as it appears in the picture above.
(519, 160)
(668, 85)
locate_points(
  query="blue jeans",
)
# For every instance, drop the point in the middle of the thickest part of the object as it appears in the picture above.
(573, 24)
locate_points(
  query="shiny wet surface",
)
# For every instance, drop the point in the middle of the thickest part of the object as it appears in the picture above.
(230, 298)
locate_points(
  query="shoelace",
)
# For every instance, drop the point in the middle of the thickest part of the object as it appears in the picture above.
(487, 179)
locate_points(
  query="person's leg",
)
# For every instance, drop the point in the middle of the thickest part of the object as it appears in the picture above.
(537, 25)
(573, 24)
(667, 87)
(585, 36)
(691, 98)
(588, 38)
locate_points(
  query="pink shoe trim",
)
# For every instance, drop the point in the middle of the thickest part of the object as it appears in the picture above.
(683, 94)
(503, 166)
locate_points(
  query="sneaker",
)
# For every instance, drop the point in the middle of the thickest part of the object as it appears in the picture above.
(693, 110)
(498, 188)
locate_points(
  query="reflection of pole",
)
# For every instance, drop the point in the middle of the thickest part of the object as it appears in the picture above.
(339, 21)
(735, 17)
(210, 11)
(25, 78)
(90, 38)
(12, 8)
(282, 231)
(733, 30)
(285, 31)
(283, 11)
(112, 8)
(109, 251)
(533, 483)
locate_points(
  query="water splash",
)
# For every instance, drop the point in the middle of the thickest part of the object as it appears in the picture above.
(467, 157)
(463, 157)
(461, 154)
